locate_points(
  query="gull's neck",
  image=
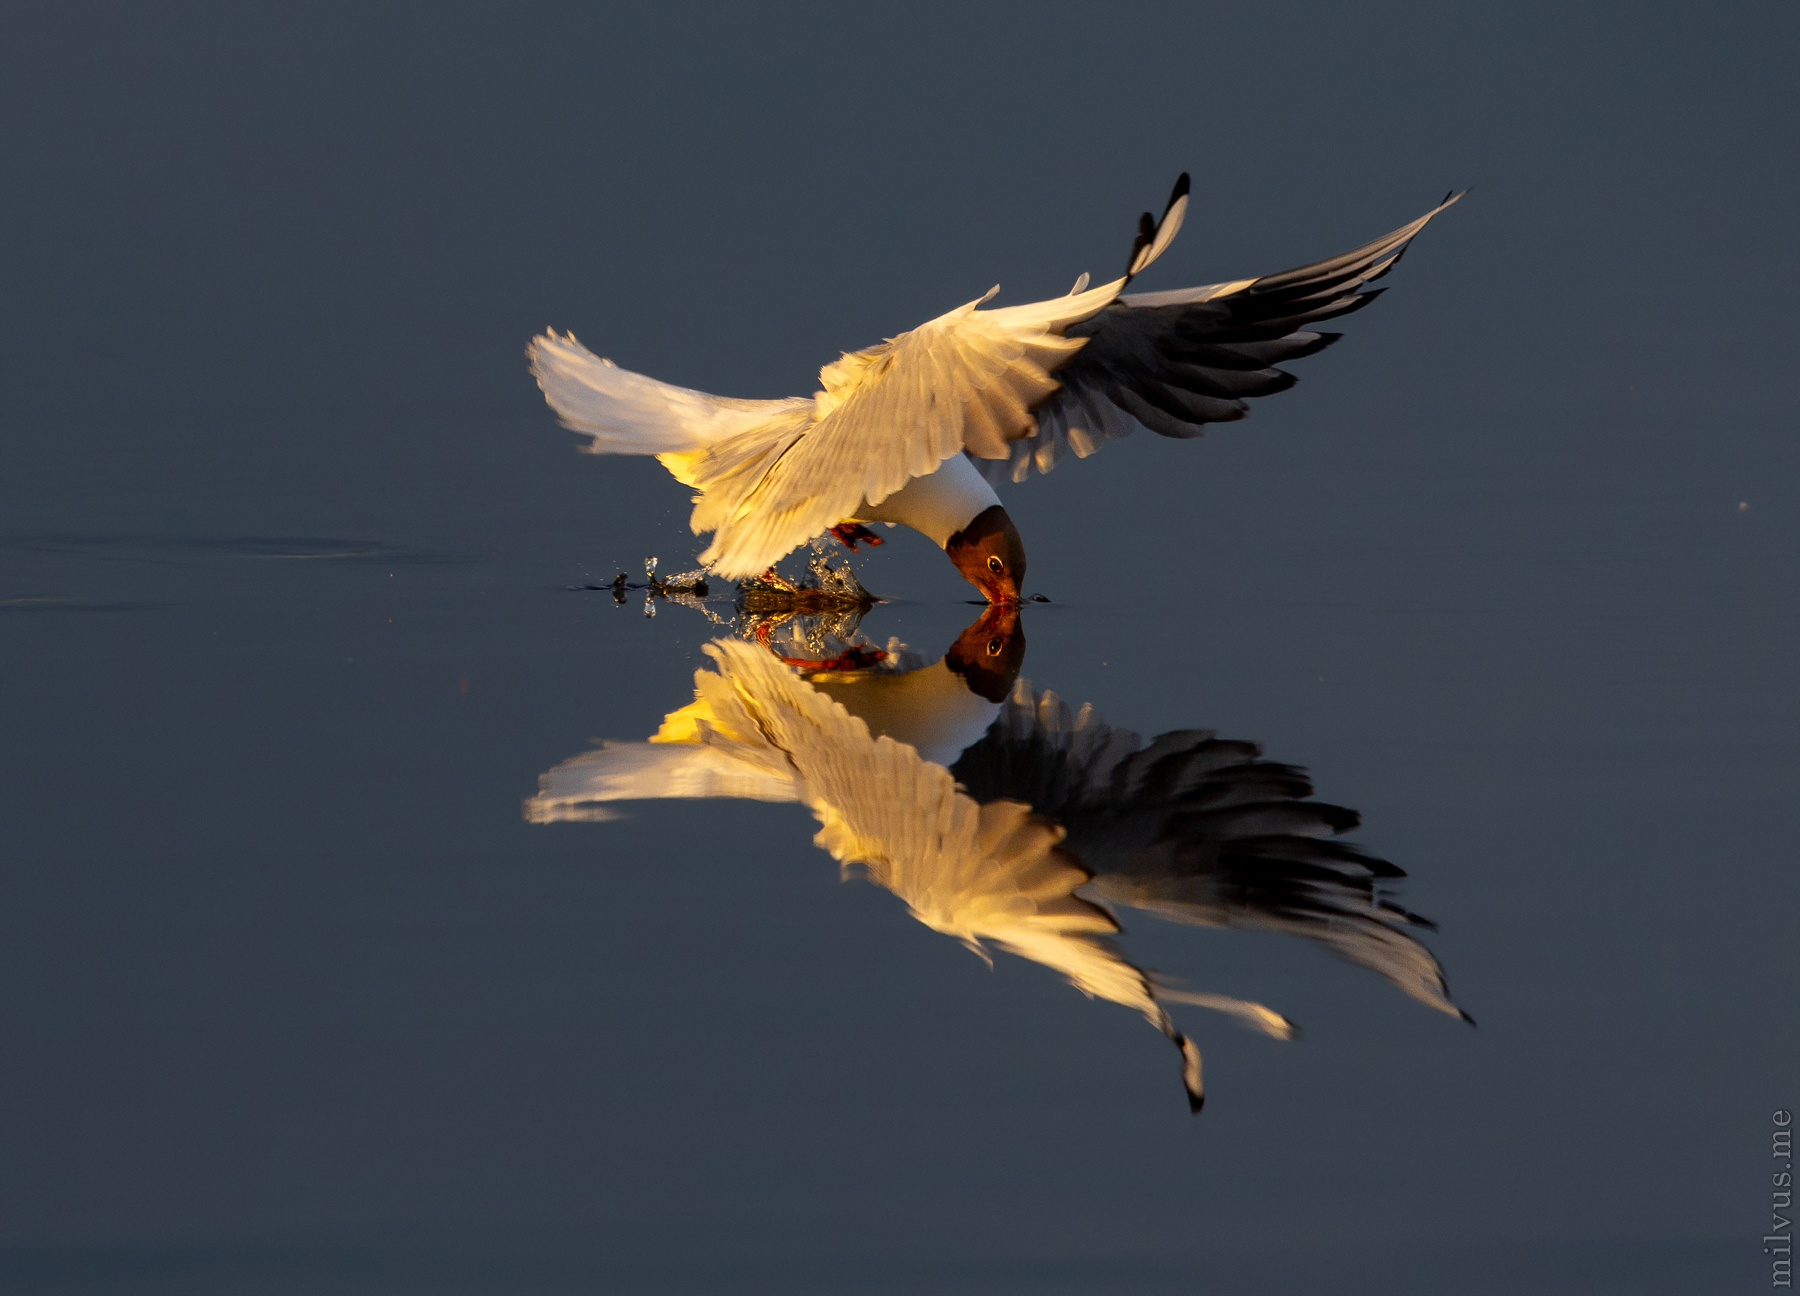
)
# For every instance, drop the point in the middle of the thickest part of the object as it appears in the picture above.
(939, 505)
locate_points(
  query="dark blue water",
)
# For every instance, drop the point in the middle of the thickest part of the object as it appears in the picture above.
(296, 997)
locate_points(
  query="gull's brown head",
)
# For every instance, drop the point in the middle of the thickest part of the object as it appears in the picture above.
(990, 555)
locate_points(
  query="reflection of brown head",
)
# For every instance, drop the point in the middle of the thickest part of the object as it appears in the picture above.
(989, 653)
(990, 555)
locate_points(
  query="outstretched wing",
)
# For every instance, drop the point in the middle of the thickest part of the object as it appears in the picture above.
(1201, 830)
(1174, 361)
(774, 474)
(628, 413)
(965, 381)
(968, 381)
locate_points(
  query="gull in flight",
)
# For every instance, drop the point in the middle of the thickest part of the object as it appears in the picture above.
(916, 431)
(1004, 818)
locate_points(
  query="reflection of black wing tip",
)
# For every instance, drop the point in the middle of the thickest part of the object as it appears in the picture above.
(1406, 915)
(1190, 1072)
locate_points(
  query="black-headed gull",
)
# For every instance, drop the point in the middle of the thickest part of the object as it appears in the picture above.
(916, 431)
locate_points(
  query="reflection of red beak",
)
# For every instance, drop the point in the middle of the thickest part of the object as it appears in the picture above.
(998, 620)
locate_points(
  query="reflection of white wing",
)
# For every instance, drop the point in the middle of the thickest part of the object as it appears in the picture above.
(984, 874)
(674, 763)
(992, 872)
(627, 771)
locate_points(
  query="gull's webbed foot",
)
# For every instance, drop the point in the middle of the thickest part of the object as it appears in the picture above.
(849, 533)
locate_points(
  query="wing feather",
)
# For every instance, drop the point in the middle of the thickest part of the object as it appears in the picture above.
(993, 872)
(1201, 830)
(965, 381)
(1017, 387)
(1175, 361)
(628, 413)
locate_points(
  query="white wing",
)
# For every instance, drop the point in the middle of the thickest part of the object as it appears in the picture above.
(774, 474)
(628, 413)
(964, 381)
(967, 382)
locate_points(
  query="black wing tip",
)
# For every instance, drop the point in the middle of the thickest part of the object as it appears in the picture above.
(1195, 1103)
(1149, 226)
(1146, 235)
(1381, 868)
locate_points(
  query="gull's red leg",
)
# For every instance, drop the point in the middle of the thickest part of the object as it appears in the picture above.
(851, 532)
(859, 657)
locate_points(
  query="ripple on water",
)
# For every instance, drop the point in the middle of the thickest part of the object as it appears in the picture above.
(206, 549)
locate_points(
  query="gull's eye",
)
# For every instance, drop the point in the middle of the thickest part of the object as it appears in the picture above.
(995, 565)
(994, 647)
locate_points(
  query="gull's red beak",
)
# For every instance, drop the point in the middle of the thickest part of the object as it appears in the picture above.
(1001, 593)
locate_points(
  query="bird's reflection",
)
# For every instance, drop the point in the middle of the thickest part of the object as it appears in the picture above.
(1004, 817)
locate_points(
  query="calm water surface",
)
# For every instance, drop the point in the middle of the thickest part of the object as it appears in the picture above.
(352, 936)
(300, 997)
